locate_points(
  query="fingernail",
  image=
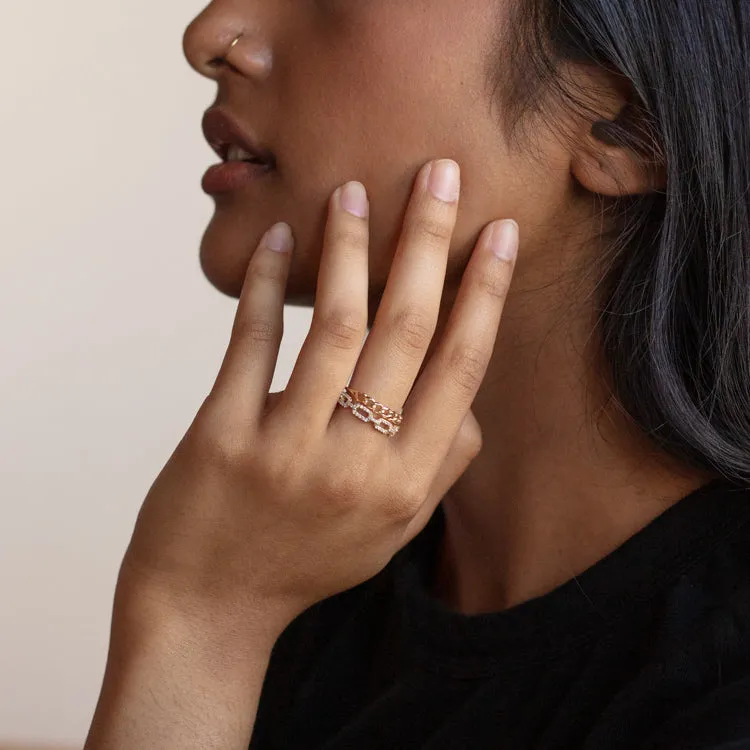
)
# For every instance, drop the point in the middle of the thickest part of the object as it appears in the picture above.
(353, 198)
(444, 180)
(504, 239)
(279, 238)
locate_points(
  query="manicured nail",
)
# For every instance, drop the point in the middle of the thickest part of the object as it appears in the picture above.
(279, 238)
(353, 198)
(504, 239)
(444, 180)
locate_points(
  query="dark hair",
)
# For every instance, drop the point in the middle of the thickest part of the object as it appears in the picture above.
(674, 299)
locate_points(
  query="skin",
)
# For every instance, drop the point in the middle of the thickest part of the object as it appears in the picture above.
(563, 477)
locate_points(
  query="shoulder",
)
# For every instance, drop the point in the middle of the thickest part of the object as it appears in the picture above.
(718, 720)
(697, 675)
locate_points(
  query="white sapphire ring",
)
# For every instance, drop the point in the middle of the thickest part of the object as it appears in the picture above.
(367, 409)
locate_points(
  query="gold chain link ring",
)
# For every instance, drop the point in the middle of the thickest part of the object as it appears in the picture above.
(366, 408)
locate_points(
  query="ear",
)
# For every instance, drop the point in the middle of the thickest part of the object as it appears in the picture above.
(605, 160)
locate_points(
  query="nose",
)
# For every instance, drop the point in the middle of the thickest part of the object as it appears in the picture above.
(207, 40)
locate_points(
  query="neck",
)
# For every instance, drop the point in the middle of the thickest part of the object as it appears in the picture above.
(563, 478)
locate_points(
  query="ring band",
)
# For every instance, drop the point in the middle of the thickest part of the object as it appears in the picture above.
(366, 408)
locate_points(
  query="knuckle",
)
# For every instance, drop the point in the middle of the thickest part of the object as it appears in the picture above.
(467, 366)
(413, 491)
(435, 228)
(342, 329)
(224, 448)
(345, 487)
(256, 329)
(471, 440)
(493, 280)
(396, 511)
(227, 447)
(402, 504)
(348, 234)
(411, 331)
(278, 469)
(263, 268)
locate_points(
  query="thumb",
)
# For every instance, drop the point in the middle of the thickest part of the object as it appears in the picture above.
(464, 449)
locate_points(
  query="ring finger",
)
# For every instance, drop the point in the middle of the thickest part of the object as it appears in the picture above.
(408, 312)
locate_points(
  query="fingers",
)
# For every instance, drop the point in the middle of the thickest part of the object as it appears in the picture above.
(339, 323)
(246, 372)
(450, 381)
(408, 312)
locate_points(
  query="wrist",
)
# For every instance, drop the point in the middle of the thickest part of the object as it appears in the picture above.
(178, 678)
(145, 612)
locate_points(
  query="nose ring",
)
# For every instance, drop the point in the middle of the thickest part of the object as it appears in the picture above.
(231, 46)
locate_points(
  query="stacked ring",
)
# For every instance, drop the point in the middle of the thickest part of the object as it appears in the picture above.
(366, 408)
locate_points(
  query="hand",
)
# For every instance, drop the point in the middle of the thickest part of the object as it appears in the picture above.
(275, 503)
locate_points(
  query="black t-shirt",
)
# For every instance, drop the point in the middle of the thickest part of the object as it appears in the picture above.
(649, 648)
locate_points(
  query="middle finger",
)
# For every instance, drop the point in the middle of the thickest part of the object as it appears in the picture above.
(408, 312)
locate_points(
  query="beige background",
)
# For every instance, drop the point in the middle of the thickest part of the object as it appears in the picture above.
(110, 335)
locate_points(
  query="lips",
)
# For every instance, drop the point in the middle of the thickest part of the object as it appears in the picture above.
(221, 131)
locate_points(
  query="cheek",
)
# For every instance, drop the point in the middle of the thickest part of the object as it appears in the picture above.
(388, 88)
(358, 116)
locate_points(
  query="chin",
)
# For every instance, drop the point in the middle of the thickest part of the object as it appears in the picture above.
(225, 266)
(224, 256)
(223, 270)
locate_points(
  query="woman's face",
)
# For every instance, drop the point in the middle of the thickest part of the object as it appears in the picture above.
(367, 90)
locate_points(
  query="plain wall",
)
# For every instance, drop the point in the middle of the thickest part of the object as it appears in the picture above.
(110, 335)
